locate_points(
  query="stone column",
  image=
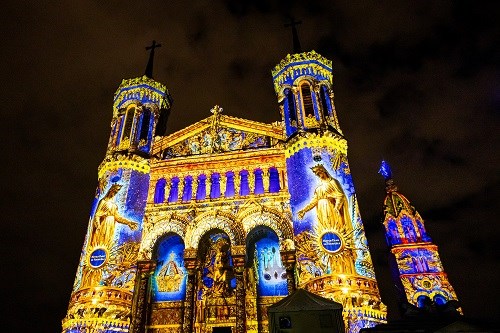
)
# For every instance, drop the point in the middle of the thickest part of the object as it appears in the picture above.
(265, 180)
(222, 184)
(237, 183)
(180, 188)
(168, 186)
(208, 186)
(251, 181)
(284, 179)
(288, 260)
(194, 186)
(298, 113)
(238, 254)
(142, 295)
(190, 262)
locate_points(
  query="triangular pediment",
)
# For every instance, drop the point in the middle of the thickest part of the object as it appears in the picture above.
(218, 134)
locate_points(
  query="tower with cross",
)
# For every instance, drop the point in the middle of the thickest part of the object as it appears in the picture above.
(332, 255)
(105, 279)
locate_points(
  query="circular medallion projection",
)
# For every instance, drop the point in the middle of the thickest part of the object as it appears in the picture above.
(331, 242)
(98, 257)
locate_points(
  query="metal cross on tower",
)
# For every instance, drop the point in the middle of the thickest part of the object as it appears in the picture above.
(149, 67)
(295, 35)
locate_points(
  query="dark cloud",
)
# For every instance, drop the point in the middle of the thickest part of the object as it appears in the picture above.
(415, 83)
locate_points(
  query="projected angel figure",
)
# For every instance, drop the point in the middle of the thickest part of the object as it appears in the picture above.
(106, 217)
(330, 201)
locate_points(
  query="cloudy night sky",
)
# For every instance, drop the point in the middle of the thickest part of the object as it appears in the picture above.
(416, 83)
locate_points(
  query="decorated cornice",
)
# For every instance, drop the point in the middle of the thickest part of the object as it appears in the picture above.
(300, 64)
(115, 162)
(238, 160)
(315, 140)
(142, 89)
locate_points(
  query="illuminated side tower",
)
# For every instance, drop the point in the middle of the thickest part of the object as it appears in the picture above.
(331, 248)
(417, 269)
(101, 299)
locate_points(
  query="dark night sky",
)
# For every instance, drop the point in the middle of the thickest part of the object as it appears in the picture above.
(416, 83)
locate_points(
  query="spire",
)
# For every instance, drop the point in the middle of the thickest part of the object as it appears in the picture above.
(149, 67)
(418, 273)
(295, 35)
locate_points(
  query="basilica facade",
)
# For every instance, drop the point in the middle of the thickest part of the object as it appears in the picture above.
(203, 229)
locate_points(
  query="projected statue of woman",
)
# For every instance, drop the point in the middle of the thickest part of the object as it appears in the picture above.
(330, 202)
(103, 230)
(106, 217)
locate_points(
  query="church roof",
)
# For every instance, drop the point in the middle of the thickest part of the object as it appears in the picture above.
(302, 300)
(218, 133)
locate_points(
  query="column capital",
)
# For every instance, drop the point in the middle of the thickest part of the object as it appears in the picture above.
(190, 260)
(238, 254)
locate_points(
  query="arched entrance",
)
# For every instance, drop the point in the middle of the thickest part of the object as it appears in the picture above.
(168, 283)
(266, 276)
(215, 299)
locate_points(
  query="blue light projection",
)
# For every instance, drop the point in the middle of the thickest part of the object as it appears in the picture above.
(272, 279)
(169, 279)
(115, 230)
(385, 170)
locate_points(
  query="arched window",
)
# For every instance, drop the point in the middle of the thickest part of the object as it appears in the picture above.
(423, 300)
(392, 233)
(290, 111)
(423, 234)
(307, 101)
(244, 188)
(119, 128)
(129, 120)
(146, 118)
(325, 101)
(274, 180)
(229, 190)
(408, 229)
(215, 186)
(160, 191)
(259, 182)
(174, 190)
(440, 299)
(188, 188)
(201, 191)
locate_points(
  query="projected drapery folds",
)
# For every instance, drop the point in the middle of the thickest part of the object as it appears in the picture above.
(331, 248)
(420, 274)
(106, 276)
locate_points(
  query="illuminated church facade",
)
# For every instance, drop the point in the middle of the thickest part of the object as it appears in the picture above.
(203, 229)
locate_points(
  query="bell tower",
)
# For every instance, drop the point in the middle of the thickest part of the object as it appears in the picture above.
(101, 299)
(417, 269)
(332, 254)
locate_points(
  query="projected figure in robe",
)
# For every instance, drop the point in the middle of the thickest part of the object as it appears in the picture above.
(106, 217)
(330, 202)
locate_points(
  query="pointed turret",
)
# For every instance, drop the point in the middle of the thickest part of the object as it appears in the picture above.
(417, 268)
